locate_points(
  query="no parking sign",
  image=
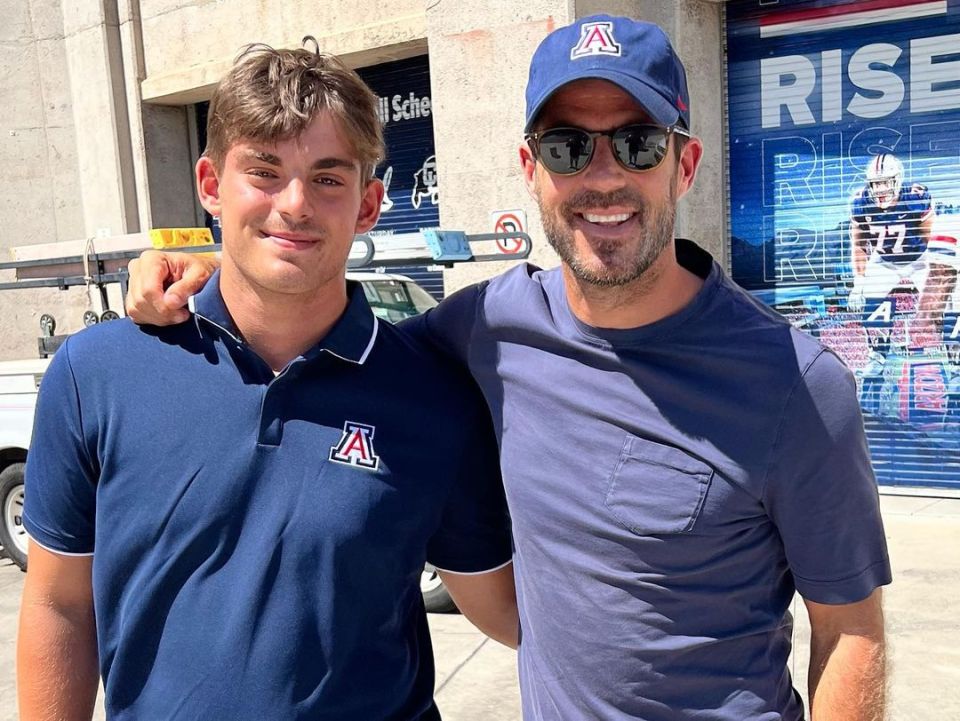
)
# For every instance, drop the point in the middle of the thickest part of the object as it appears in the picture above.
(509, 221)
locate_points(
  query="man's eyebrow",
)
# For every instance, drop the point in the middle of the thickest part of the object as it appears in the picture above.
(260, 155)
(319, 164)
(333, 162)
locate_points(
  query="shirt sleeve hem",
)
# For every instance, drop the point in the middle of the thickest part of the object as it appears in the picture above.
(846, 590)
(475, 573)
(51, 543)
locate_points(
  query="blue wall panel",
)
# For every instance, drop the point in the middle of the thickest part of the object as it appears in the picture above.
(817, 90)
(409, 170)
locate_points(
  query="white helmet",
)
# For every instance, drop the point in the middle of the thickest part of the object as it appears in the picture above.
(884, 178)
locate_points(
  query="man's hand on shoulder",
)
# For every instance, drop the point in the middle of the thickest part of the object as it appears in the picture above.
(160, 284)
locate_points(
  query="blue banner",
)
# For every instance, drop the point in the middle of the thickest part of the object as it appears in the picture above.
(409, 172)
(844, 137)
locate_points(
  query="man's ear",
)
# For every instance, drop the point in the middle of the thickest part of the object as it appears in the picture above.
(690, 158)
(528, 164)
(208, 185)
(370, 200)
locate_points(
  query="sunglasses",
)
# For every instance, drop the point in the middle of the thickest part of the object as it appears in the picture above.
(567, 151)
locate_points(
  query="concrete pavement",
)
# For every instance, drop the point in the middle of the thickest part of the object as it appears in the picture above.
(476, 678)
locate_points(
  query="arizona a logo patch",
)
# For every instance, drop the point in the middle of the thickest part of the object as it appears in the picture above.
(596, 39)
(356, 447)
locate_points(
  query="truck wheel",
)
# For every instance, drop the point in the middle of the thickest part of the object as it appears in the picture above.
(436, 599)
(13, 536)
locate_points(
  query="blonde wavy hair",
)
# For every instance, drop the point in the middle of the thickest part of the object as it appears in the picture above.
(272, 95)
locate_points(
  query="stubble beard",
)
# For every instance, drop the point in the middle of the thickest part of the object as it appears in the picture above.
(619, 265)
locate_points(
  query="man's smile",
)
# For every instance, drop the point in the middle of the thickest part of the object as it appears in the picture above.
(295, 241)
(606, 217)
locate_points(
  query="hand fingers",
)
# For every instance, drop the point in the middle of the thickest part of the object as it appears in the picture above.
(145, 302)
(195, 272)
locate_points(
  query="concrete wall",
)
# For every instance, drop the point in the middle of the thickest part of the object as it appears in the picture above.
(188, 44)
(478, 67)
(125, 72)
(40, 198)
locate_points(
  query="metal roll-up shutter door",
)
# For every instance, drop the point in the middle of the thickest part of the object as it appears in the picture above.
(409, 171)
(817, 91)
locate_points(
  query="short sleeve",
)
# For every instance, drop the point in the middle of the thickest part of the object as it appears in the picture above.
(61, 474)
(474, 534)
(821, 491)
(449, 326)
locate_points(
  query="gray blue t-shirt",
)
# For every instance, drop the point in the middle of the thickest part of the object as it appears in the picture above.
(670, 487)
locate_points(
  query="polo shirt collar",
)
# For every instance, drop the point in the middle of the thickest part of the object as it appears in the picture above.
(351, 338)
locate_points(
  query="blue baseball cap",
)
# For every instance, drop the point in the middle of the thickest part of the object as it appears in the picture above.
(632, 54)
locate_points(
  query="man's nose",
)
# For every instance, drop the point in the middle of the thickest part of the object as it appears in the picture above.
(604, 172)
(293, 201)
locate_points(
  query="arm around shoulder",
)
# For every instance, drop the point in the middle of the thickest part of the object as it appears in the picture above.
(450, 326)
(472, 548)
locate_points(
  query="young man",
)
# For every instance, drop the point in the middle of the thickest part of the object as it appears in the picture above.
(678, 459)
(247, 543)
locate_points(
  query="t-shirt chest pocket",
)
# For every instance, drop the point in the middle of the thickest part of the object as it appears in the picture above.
(657, 489)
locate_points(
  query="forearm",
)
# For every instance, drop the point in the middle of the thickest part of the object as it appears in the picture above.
(502, 625)
(847, 678)
(488, 601)
(57, 668)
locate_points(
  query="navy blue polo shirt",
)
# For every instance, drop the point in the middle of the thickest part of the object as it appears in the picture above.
(258, 539)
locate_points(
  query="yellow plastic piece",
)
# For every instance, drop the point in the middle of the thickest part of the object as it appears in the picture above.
(162, 238)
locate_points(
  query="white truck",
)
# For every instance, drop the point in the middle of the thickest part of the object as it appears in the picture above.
(19, 381)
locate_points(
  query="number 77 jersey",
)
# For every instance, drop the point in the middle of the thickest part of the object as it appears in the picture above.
(896, 233)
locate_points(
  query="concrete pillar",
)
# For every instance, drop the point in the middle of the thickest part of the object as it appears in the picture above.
(160, 138)
(478, 72)
(100, 111)
(131, 53)
(38, 198)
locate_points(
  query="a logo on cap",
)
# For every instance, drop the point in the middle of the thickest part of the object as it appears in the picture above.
(596, 39)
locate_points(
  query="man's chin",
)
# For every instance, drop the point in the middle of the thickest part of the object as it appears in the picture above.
(287, 279)
(603, 275)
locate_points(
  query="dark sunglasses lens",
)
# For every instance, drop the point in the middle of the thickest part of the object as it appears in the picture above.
(565, 150)
(640, 147)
